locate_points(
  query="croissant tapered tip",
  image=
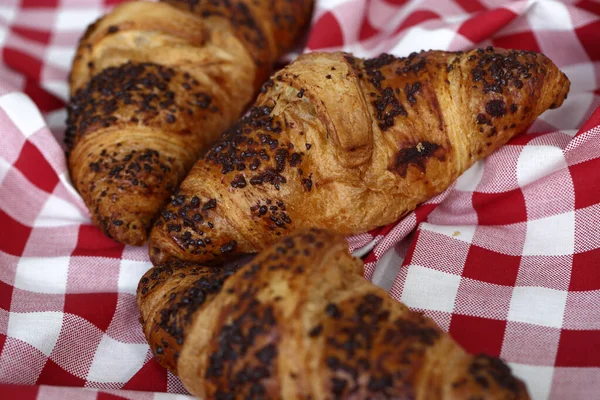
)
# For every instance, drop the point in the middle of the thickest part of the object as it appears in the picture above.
(128, 230)
(562, 94)
(157, 256)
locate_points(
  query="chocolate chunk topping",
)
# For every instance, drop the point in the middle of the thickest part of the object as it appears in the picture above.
(239, 181)
(496, 108)
(416, 156)
(496, 69)
(333, 311)
(228, 247)
(210, 204)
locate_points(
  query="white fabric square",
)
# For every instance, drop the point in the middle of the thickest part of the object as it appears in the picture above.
(536, 162)
(56, 122)
(538, 379)
(58, 212)
(171, 396)
(573, 111)
(331, 4)
(22, 112)
(58, 88)
(75, 19)
(429, 289)
(60, 56)
(464, 233)
(7, 13)
(582, 76)
(115, 361)
(66, 393)
(387, 269)
(549, 15)
(4, 168)
(551, 236)
(3, 30)
(470, 179)
(65, 179)
(130, 274)
(42, 274)
(39, 329)
(415, 38)
(537, 305)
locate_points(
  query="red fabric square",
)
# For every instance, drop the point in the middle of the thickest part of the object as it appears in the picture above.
(411, 249)
(489, 266)
(5, 295)
(471, 6)
(21, 392)
(32, 34)
(53, 374)
(112, 2)
(22, 62)
(500, 208)
(590, 5)
(35, 167)
(108, 396)
(13, 235)
(366, 30)
(587, 190)
(483, 25)
(39, 3)
(2, 341)
(329, 33)
(92, 242)
(44, 100)
(589, 36)
(98, 308)
(585, 274)
(151, 377)
(423, 211)
(416, 18)
(592, 121)
(578, 349)
(478, 335)
(521, 41)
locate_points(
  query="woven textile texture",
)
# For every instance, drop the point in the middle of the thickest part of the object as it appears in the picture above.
(507, 260)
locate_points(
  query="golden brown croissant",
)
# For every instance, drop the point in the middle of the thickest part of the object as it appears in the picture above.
(348, 144)
(300, 322)
(151, 86)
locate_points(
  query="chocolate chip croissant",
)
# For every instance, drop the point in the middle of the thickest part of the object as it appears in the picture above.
(300, 322)
(348, 144)
(152, 85)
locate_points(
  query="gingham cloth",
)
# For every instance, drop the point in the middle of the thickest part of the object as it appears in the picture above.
(507, 260)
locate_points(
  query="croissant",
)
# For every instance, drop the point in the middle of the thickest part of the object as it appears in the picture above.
(300, 322)
(337, 142)
(151, 86)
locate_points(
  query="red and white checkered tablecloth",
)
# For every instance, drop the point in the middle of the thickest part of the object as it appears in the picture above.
(507, 260)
